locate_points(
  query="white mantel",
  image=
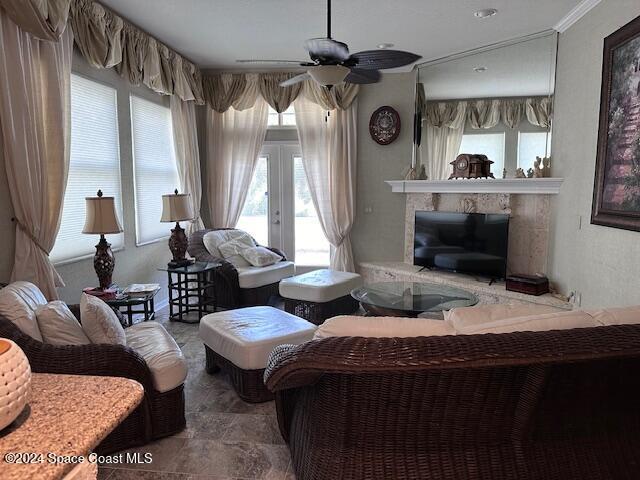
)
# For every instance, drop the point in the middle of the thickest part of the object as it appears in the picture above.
(531, 186)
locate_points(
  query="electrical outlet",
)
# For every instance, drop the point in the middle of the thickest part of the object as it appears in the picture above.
(368, 209)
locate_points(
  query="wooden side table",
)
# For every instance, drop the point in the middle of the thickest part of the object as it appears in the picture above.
(187, 284)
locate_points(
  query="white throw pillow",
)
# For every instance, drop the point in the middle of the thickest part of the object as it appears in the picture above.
(99, 322)
(59, 326)
(18, 303)
(229, 244)
(534, 323)
(470, 317)
(382, 327)
(260, 256)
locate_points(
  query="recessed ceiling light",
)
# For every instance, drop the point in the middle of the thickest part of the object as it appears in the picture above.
(480, 69)
(385, 45)
(485, 13)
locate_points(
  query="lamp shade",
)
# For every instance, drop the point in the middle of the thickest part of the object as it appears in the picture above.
(101, 216)
(176, 207)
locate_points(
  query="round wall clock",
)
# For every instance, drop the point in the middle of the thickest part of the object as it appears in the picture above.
(384, 125)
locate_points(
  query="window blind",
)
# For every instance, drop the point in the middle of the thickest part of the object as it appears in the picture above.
(94, 164)
(154, 164)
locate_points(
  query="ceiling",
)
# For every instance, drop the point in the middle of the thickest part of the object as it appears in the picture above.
(518, 70)
(214, 33)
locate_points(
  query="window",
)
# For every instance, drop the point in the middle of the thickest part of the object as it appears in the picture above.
(154, 167)
(255, 213)
(284, 119)
(312, 247)
(94, 164)
(489, 144)
(532, 145)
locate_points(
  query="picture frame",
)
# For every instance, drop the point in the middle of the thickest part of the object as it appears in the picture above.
(616, 196)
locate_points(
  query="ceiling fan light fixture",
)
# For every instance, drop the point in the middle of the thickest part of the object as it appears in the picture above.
(382, 46)
(328, 75)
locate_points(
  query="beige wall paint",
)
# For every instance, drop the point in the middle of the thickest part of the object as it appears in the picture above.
(599, 262)
(133, 264)
(379, 235)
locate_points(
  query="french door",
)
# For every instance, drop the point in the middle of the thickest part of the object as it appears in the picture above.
(279, 210)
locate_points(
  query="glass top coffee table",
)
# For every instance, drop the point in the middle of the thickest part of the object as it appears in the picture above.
(410, 299)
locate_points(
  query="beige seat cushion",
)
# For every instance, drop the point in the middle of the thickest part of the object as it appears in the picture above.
(161, 353)
(100, 322)
(254, 277)
(533, 323)
(247, 336)
(470, 317)
(320, 285)
(18, 303)
(617, 316)
(59, 326)
(382, 327)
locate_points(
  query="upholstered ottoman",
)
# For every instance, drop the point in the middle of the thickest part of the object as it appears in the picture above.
(239, 342)
(321, 294)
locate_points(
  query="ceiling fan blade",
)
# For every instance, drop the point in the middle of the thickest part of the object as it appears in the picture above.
(362, 76)
(382, 59)
(327, 49)
(297, 79)
(259, 61)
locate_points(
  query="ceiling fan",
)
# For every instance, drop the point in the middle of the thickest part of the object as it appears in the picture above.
(331, 63)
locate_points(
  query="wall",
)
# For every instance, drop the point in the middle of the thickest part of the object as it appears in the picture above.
(133, 264)
(379, 234)
(599, 262)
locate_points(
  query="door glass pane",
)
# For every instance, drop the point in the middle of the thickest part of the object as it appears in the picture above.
(255, 214)
(273, 119)
(289, 116)
(489, 144)
(312, 247)
(530, 146)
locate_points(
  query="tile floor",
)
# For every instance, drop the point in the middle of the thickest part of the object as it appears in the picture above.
(225, 437)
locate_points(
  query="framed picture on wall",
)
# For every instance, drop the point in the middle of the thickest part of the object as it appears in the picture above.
(616, 198)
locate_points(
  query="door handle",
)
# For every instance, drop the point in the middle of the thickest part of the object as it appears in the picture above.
(276, 222)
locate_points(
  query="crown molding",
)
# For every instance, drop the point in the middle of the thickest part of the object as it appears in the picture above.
(576, 14)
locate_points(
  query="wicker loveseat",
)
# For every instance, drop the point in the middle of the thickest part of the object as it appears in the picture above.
(544, 405)
(228, 290)
(160, 414)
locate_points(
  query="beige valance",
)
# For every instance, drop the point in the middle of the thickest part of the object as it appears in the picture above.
(223, 91)
(106, 40)
(487, 113)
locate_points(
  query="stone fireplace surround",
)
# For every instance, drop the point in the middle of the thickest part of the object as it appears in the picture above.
(529, 227)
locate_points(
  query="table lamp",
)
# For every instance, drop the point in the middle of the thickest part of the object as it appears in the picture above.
(102, 219)
(176, 207)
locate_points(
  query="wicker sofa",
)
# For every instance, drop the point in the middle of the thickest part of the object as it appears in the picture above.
(228, 290)
(160, 414)
(528, 405)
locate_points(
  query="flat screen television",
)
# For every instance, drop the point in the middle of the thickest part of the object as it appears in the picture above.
(474, 243)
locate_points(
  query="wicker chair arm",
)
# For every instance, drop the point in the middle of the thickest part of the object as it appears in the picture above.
(295, 366)
(93, 359)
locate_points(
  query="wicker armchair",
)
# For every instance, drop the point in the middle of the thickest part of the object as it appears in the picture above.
(544, 405)
(227, 291)
(159, 414)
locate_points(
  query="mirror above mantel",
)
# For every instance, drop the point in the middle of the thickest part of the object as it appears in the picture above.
(495, 101)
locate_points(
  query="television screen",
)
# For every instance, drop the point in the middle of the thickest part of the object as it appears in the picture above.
(474, 243)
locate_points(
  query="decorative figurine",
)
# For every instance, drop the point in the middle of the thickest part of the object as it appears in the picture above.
(530, 173)
(504, 173)
(546, 167)
(538, 172)
(410, 173)
(520, 173)
(422, 173)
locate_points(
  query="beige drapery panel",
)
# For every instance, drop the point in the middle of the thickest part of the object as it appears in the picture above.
(234, 140)
(444, 130)
(35, 121)
(487, 113)
(224, 91)
(329, 156)
(185, 140)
